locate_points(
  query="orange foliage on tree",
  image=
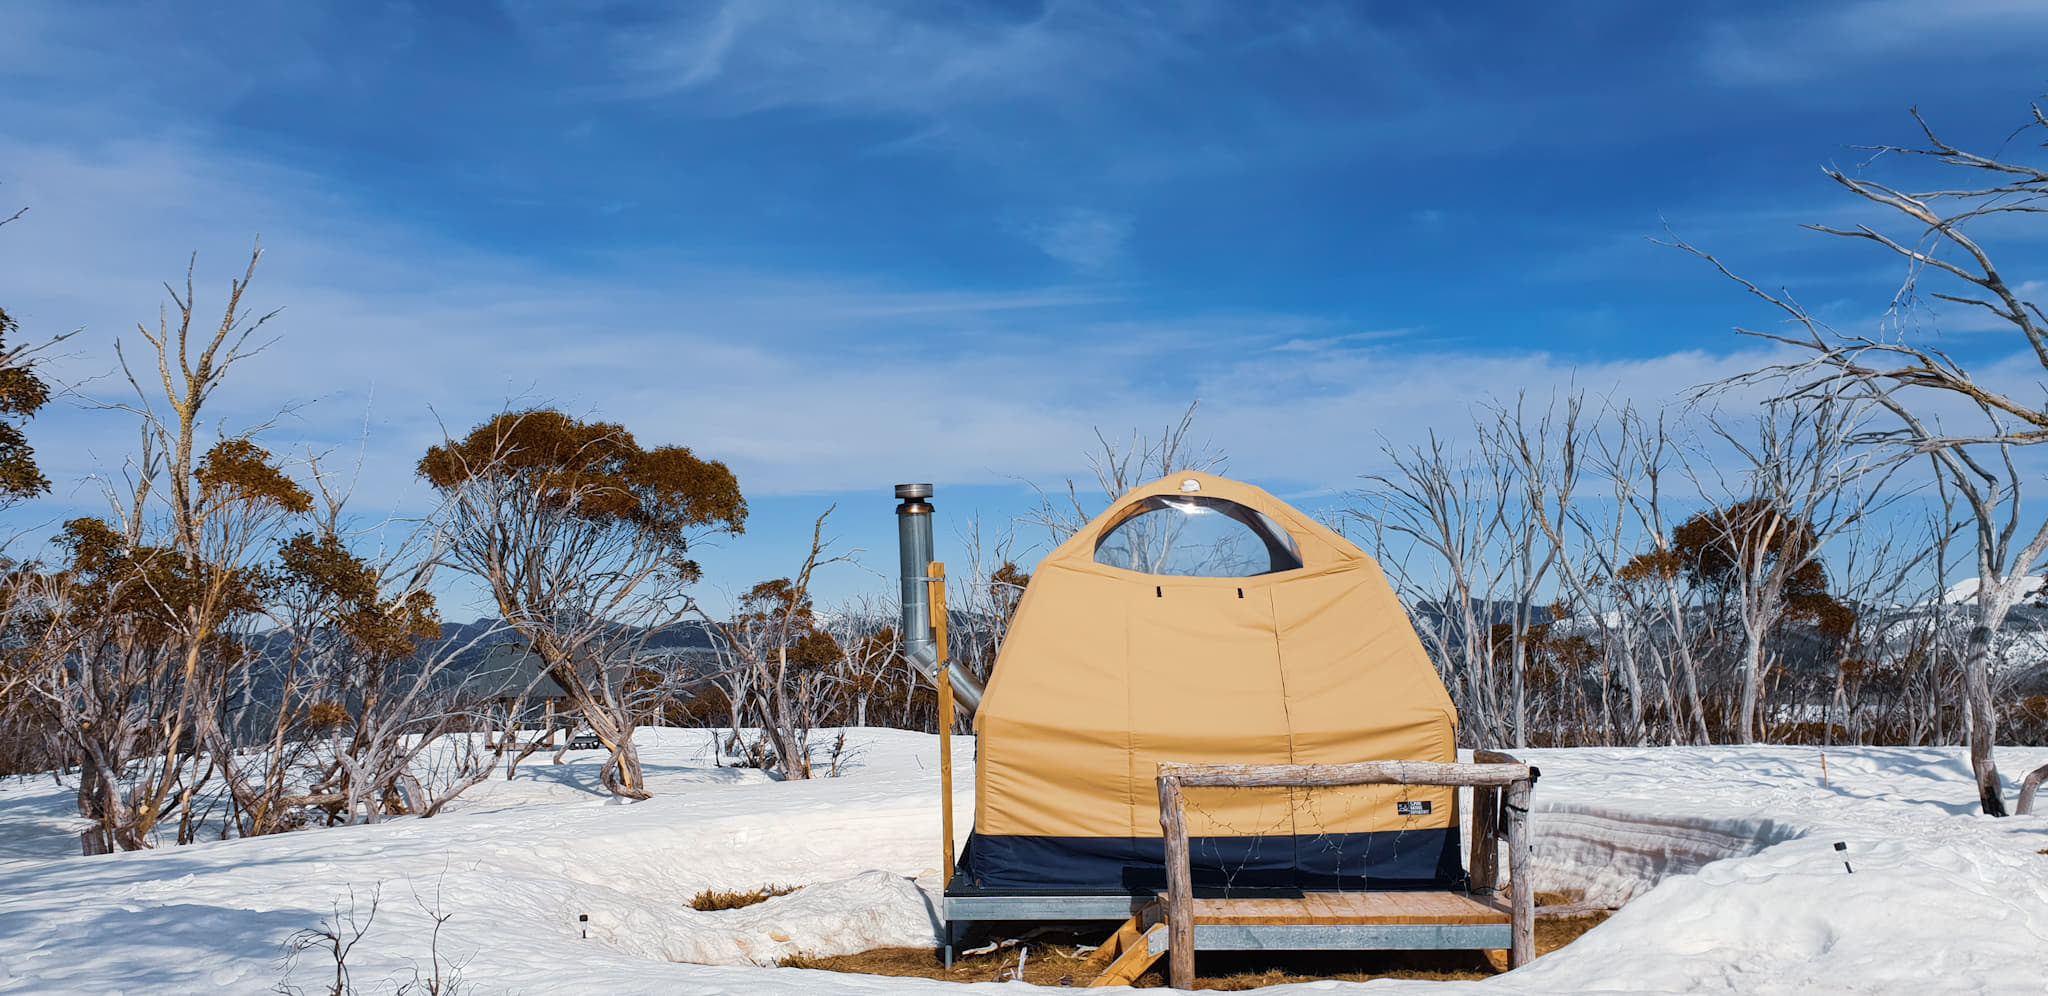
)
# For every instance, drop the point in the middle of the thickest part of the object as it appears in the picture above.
(150, 587)
(1006, 589)
(593, 471)
(1553, 660)
(1711, 550)
(22, 394)
(778, 609)
(324, 573)
(582, 535)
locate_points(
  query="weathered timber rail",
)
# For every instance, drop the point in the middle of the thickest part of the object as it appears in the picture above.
(1500, 786)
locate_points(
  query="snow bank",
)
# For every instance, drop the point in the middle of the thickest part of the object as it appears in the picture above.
(1608, 858)
(1728, 858)
(868, 911)
(1725, 855)
(1916, 917)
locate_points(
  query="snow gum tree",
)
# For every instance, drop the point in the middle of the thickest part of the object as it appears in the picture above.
(133, 640)
(1760, 565)
(362, 664)
(1759, 557)
(583, 537)
(22, 394)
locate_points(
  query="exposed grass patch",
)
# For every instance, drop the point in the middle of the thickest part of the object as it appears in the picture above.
(1053, 964)
(714, 899)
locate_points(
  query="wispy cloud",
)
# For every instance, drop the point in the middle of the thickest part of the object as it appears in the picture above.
(1089, 241)
(803, 382)
(1343, 341)
(1815, 41)
(1115, 85)
(880, 58)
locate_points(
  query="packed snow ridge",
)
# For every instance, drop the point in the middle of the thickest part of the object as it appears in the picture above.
(1725, 857)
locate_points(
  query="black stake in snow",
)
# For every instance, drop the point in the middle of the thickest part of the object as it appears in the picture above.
(584, 919)
(1844, 848)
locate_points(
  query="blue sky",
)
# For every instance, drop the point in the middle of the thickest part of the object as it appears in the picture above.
(842, 244)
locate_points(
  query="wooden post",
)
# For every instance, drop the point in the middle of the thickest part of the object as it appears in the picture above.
(936, 572)
(1487, 829)
(1485, 857)
(1522, 892)
(1180, 892)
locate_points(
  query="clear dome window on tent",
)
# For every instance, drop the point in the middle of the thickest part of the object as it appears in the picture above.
(1197, 537)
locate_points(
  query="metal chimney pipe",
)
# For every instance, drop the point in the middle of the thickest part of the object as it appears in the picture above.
(914, 543)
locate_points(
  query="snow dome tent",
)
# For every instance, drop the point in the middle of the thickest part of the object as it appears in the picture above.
(1203, 620)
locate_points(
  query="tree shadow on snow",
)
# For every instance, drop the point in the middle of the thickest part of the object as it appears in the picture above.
(176, 947)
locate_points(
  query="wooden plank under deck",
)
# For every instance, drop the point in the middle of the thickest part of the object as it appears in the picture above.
(1353, 908)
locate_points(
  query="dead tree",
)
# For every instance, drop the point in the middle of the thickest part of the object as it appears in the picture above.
(1544, 457)
(871, 661)
(1940, 243)
(1650, 584)
(787, 659)
(1630, 625)
(1450, 514)
(1120, 466)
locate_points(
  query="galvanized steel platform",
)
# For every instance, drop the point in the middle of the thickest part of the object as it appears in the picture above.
(1316, 921)
(1312, 921)
(1042, 906)
(1329, 920)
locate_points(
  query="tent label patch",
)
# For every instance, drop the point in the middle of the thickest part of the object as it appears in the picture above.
(1420, 808)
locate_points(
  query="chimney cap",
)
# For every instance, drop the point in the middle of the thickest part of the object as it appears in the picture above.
(909, 491)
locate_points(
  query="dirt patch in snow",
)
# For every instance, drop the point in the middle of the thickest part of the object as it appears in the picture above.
(1057, 960)
(712, 900)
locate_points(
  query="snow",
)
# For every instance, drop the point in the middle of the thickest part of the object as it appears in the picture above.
(1753, 897)
(1724, 855)
(1966, 589)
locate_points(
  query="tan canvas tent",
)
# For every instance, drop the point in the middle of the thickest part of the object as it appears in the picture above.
(1203, 620)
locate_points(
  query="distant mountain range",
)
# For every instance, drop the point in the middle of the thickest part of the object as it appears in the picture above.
(485, 658)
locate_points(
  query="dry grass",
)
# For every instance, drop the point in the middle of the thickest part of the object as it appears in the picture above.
(712, 899)
(1054, 964)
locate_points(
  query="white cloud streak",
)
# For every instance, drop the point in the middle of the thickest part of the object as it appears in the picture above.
(880, 58)
(805, 383)
(1820, 41)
